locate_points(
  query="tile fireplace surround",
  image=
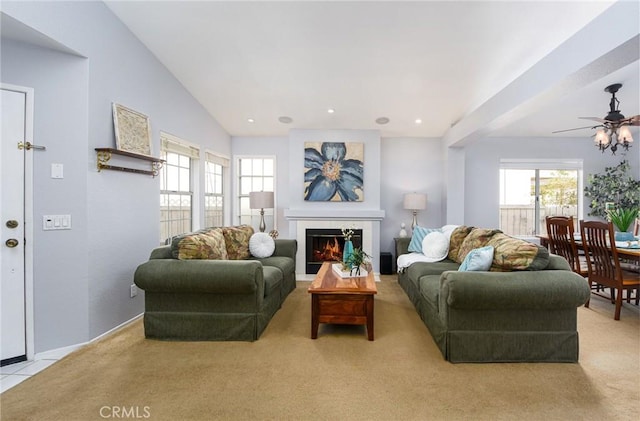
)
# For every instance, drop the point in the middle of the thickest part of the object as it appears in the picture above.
(367, 220)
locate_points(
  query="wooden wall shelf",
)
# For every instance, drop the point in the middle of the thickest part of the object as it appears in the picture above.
(104, 155)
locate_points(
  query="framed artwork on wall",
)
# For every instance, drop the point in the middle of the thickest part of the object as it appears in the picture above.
(334, 171)
(132, 129)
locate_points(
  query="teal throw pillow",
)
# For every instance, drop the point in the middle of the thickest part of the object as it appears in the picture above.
(479, 259)
(417, 237)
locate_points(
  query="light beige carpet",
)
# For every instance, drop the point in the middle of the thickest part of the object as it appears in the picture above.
(285, 375)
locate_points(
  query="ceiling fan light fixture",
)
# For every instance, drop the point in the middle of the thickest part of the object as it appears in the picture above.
(613, 129)
(602, 138)
(624, 135)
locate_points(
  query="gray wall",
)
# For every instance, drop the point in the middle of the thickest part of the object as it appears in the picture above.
(482, 162)
(82, 276)
(410, 165)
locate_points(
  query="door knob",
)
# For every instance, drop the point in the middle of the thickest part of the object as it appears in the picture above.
(12, 223)
(11, 243)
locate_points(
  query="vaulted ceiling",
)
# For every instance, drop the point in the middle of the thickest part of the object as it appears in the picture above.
(486, 67)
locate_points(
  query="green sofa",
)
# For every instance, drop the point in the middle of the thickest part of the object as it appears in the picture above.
(214, 300)
(515, 316)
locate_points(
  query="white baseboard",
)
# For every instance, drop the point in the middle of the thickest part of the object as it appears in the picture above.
(56, 354)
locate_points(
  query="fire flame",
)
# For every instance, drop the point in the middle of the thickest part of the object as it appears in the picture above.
(330, 252)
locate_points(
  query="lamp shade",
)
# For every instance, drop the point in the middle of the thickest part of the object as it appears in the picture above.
(261, 199)
(624, 135)
(415, 201)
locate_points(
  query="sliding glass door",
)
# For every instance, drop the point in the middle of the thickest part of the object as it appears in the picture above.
(528, 195)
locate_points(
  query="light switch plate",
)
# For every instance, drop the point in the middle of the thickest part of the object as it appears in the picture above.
(56, 222)
(57, 171)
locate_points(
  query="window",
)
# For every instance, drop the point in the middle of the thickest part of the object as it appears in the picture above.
(530, 191)
(254, 174)
(214, 190)
(176, 187)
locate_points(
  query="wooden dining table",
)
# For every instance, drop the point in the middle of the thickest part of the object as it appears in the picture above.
(625, 252)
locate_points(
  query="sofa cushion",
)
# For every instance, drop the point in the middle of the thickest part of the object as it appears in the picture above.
(477, 238)
(516, 254)
(418, 269)
(479, 259)
(285, 264)
(204, 244)
(430, 290)
(272, 280)
(457, 237)
(261, 245)
(237, 241)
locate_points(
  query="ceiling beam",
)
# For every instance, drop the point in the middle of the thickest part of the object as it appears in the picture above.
(608, 43)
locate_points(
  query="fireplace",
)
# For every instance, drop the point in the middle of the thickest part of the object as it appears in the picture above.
(326, 244)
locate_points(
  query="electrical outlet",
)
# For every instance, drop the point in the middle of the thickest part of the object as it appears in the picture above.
(134, 290)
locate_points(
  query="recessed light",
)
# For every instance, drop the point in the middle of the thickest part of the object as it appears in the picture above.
(331, 111)
(250, 120)
(418, 121)
(382, 120)
(285, 119)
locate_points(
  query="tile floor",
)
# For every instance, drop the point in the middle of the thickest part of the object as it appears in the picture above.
(14, 374)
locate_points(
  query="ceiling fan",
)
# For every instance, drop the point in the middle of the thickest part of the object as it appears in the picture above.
(613, 130)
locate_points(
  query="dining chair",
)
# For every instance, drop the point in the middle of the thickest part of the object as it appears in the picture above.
(561, 242)
(603, 263)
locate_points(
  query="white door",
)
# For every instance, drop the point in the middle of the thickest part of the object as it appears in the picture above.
(12, 217)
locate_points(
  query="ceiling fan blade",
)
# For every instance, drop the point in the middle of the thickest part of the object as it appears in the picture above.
(634, 121)
(598, 119)
(577, 128)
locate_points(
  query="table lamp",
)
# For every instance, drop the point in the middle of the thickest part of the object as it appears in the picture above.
(415, 202)
(261, 200)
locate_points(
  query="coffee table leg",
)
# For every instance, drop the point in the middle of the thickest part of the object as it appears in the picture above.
(315, 316)
(370, 317)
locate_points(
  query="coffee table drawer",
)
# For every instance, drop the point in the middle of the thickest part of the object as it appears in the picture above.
(342, 305)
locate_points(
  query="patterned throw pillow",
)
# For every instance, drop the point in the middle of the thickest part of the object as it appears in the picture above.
(204, 244)
(457, 237)
(237, 240)
(478, 237)
(516, 254)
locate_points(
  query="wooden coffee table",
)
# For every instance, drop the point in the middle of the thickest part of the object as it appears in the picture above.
(340, 300)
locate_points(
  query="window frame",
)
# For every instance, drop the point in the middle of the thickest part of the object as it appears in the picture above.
(170, 144)
(216, 160)
(253, 217)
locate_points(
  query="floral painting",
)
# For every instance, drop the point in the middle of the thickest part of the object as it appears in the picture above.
(333, 171)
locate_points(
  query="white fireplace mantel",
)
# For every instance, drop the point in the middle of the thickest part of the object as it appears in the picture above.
(333, 214)
(368, 220)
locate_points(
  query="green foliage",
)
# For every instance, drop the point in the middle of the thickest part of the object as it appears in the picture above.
(623, 218)
(559, 190)
(614, 185)
(356, 260)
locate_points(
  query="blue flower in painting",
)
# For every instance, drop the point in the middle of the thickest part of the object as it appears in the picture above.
(329, 173)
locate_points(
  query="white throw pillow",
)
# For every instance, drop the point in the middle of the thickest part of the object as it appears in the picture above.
(435, 246)
(261, 245)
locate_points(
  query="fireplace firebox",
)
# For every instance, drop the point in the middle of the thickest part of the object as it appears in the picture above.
(326, 244)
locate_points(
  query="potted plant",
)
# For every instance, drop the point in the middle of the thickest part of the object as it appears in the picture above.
(622, 218)
(355, 261)
(615, 185)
